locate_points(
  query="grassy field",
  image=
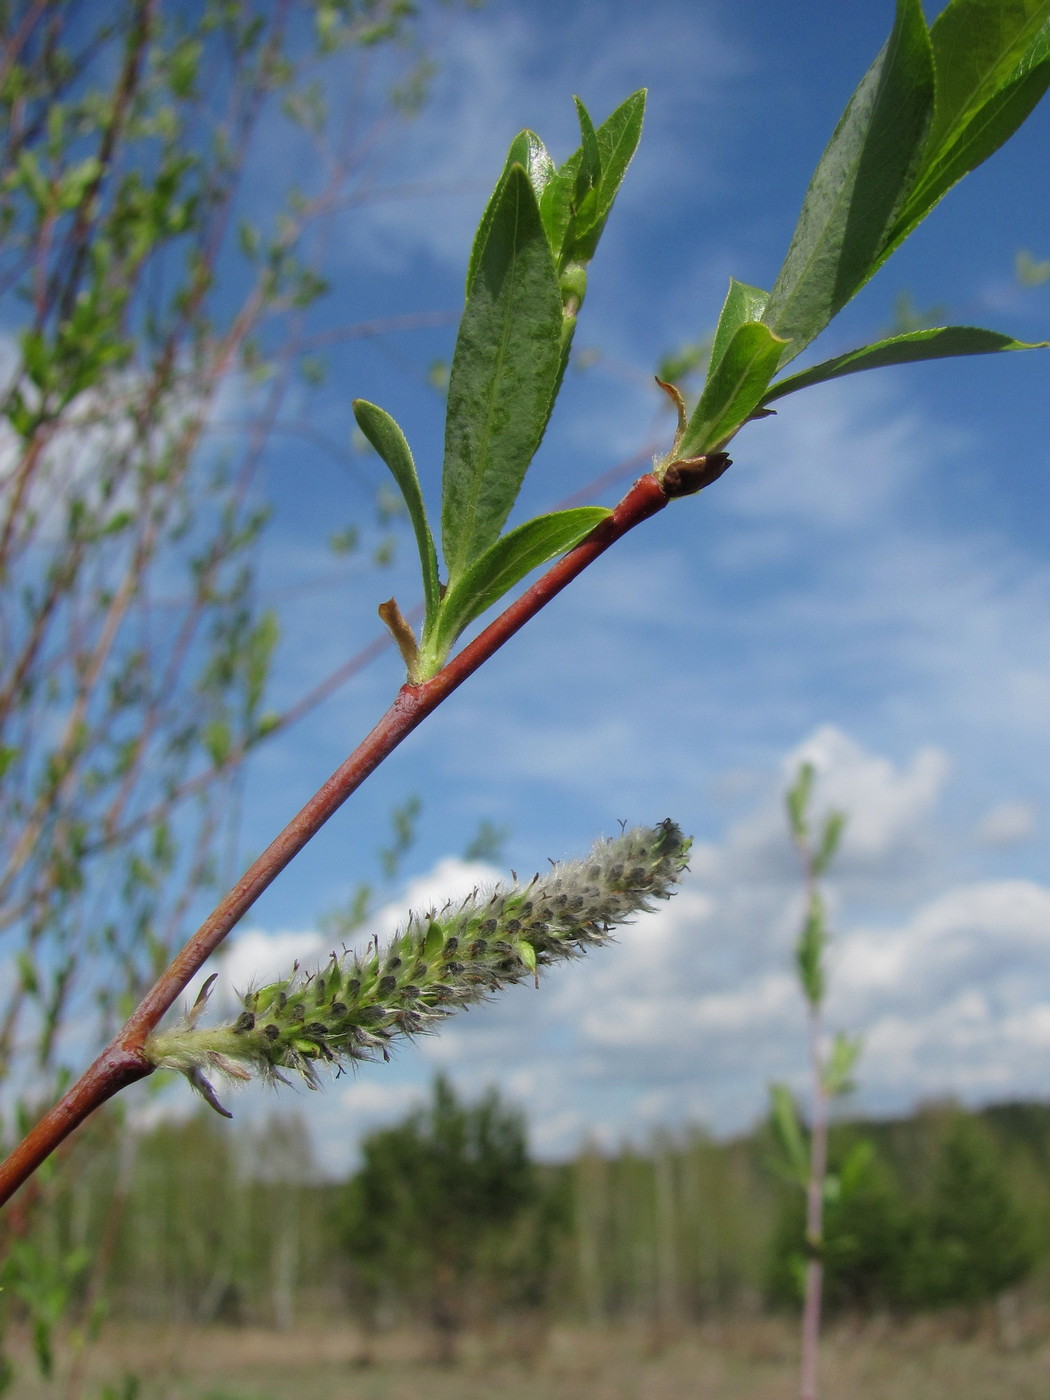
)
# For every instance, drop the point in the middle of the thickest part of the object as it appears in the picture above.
(737, 1361)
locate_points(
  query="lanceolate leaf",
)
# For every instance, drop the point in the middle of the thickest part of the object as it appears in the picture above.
(790, 1136)
(992, 61)
(576, 203)
(859, 185)
(939, 343)
(496, 571)
(589, 169)
(733, 390)
(742, 304)
(978, 46)
(504, 373)
(618, 139)
(528, 151)
(389, 441)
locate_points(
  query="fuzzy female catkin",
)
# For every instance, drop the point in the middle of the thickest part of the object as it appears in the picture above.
(441, 960)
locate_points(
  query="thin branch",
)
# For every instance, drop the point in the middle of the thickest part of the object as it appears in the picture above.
(123, 1061)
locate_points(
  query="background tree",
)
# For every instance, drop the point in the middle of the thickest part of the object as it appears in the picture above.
(869, 1233)
(973, 1241)
(907, 136)
(134, 650)
(447, 1218)
(157, 318)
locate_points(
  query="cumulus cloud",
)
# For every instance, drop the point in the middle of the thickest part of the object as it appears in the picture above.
(499, 74)
(696, 1009)
(1008, 823)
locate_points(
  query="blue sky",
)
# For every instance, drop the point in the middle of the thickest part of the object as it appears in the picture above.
(868, 587)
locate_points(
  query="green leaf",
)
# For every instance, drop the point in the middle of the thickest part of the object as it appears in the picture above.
(992, 64)
(934, 343)
(76, 181)
(528, 151)
(809, 952)
(577, 201)
(496, 571)
(7, 757)
(841, 1062)
(505, 371)
(855, 1169)
(834, 826)
(797, 800)
(789, 1135)
(733, 390)
(742, 304)
(617, 140)
(978, 46)
(589, 167)
(859, 185)
(389, 441)
(217, 741)
(556, 205)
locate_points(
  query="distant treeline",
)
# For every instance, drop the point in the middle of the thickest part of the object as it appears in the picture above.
(450, 1222)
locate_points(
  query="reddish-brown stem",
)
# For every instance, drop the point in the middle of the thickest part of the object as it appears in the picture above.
(123, 1061)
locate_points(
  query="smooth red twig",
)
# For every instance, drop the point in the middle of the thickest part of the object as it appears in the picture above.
(123, 1061)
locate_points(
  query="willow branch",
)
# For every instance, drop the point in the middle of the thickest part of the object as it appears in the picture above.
(123, 1061)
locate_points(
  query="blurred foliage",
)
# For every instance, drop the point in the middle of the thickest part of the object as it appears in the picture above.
(933, 1220)
(450, 1220)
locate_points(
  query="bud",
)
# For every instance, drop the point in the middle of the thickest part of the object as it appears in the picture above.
(573, 283)
(440, 961)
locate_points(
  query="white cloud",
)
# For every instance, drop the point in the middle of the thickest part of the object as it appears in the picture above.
(1008, 823)
(695, 1009)
(498, 74)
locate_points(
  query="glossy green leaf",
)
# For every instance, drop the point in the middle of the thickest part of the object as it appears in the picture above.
(528, 151)
(977, 48)
(566, 192)
(557, 202)
(617, 139)
(734, 388)
(589, 167)
(577, 202)
(742, 304)
(504, 373)
(937, 343)
(389, 441)
(992, 63)
(859, 185)
(497, 571)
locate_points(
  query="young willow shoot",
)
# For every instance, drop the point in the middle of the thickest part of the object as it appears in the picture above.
(442, 960)
(831, 1071)
(936, 102)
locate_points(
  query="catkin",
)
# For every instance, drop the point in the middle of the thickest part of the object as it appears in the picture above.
(441, 960)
